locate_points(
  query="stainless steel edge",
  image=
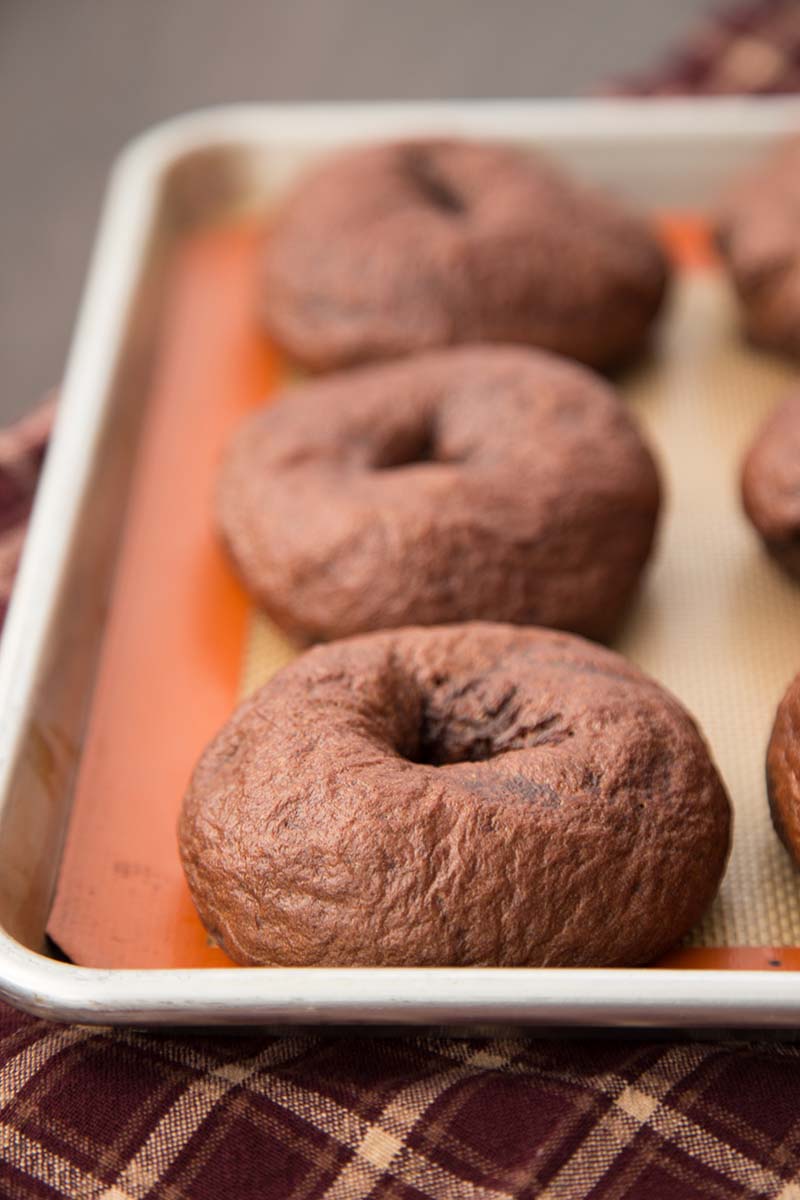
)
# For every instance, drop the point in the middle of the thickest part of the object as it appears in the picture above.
(379, 996)
(707, 141)
(701, 141)
(103, 313)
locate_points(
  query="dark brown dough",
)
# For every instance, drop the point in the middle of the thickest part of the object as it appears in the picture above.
(484, 482)
(771, 484)
(783, 770)
(400, 247)
(759, 236)
(461, 795)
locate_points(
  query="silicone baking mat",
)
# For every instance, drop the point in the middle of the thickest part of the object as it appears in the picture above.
(715, 621)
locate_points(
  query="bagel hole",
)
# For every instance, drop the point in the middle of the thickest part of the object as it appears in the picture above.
(432, 186)
(435, 751)
(409, 450)
(444, 738)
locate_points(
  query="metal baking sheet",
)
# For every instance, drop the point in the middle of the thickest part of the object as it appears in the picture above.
(208, 167)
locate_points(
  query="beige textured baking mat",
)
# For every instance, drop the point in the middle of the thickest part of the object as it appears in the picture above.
(716, 621)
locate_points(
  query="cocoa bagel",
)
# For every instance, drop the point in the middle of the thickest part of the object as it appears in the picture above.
(484, 482)
(783, 770)
(460, 795)
(758, 236)
(395, 248)
(771, 483)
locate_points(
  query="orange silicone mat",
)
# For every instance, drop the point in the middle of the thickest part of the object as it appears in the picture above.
(182, 643)
(169, 669)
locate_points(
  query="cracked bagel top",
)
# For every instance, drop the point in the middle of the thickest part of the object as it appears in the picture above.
(462, 795)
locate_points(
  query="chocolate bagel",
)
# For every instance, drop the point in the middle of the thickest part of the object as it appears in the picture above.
(783, 770)
(771, 484)
(758, 236)
(485, 482)
(396, 248)
(462, 795)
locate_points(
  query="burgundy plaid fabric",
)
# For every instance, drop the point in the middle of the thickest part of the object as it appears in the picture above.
(120, 1114)
(752, 49)
(22, 451)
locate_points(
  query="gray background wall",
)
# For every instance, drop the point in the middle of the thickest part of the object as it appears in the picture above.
(78, 78)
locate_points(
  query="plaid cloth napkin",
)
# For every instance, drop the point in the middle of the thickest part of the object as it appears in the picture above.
(753, 49)
(120, 1114)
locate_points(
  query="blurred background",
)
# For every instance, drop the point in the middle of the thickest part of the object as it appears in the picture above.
(78, 78)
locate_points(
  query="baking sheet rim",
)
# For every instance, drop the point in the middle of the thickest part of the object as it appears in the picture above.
(413, 995)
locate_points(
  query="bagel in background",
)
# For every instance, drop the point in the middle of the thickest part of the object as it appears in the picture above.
(757, 234)
(400, 247)
(771, 483)
(484, 482)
